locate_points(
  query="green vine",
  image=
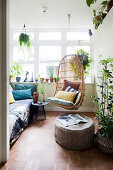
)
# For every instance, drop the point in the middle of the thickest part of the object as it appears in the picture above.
(24, 39)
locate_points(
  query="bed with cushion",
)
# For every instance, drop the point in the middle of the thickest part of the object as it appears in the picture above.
(19, 111)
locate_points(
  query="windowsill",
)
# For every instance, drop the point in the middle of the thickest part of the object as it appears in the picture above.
(48, 82)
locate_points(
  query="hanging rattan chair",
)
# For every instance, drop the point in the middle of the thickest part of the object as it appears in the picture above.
(71, 69)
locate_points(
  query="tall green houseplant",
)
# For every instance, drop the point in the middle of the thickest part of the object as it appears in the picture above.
(104, 114)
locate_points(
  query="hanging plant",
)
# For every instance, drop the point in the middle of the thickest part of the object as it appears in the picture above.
(86, 61)
(24, 39)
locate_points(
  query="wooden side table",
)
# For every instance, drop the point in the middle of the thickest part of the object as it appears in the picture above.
(38, 110)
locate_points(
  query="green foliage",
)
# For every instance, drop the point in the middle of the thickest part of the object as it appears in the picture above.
(42, 87)
(51, 72)
(89, 2)
(16, 69)
(86, 61)
(99, 13)
(11, 72)
(24, 39)
(104, 114)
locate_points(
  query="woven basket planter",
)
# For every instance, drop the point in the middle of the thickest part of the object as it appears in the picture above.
(104, 144)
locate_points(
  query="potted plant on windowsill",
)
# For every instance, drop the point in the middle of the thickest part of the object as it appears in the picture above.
(37, 78)
(51, 74)
(47, 80)
(104, 115)
(11, 74)
(17, 71)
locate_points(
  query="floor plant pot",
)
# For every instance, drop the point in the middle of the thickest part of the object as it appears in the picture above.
(104, 144)
(51, 80)
(18, 79)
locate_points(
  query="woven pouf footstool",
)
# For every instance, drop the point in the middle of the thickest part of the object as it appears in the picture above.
(75, 137)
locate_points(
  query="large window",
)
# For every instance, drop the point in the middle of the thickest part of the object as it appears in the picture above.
(47, 49)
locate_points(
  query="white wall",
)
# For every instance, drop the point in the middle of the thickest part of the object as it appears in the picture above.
(103, 42)
(30, 12)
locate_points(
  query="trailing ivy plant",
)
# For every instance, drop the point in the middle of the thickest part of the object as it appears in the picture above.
(24, 39)
(99, 14)
(104, 114)
(86, 61)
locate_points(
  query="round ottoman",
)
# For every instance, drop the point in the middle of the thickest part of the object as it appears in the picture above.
(75, 137)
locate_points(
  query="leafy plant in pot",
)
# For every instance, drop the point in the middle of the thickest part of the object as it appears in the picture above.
(51, 74)
(104, 115)
(17, 68)
(11, 73)
(42, 86)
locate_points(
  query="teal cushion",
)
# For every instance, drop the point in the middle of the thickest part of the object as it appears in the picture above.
(22, 94)
(26, 86)
(60, 101)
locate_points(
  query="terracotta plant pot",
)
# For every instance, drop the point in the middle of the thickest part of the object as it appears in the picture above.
(51, 80)
(10, 77)
(42, 80)
(110, 5)
(47, 80)
(35, 97)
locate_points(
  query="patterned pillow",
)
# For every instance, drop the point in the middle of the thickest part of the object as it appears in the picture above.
(69, 89)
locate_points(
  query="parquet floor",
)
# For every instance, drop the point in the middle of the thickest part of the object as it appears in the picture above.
(36, 149)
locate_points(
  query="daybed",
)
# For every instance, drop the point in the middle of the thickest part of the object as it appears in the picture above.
(19, 109)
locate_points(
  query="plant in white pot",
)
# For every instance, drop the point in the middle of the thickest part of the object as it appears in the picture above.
(17, 68)
(42, 86)
(104, 115)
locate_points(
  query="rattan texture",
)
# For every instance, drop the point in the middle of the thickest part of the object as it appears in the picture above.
(76, 137)
(71, 69)
(104, 144)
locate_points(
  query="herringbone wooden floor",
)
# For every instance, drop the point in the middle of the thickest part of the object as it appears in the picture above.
(36, 149)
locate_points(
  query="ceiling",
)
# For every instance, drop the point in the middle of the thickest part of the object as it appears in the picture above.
(30, 13)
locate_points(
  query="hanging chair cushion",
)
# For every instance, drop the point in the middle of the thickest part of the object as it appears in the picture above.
(78, 98)
(74, 85)
(60, 101)
(69, 89)
(69, 96)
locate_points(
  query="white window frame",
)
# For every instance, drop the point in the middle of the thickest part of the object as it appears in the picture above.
(36, 43)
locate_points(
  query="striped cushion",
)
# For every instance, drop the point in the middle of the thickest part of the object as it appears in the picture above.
(77, 97)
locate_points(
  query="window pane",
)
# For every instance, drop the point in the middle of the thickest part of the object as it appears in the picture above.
(78, 36)
(44, 69)
(16, 35)
(49, 53)
(50, 36)
(29, 68)
(23, 54)
(73, 50)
